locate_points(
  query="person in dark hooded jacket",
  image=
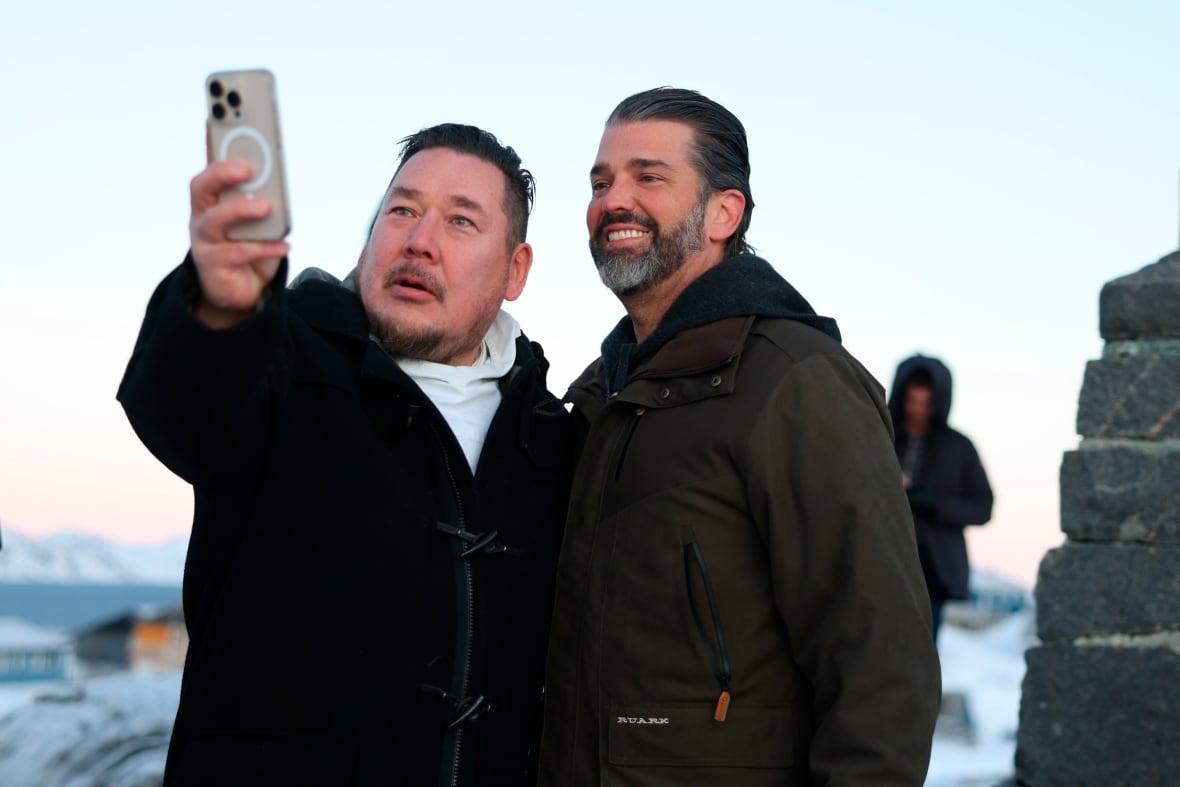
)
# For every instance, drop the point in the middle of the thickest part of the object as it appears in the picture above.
(739, 600)
(944, 478)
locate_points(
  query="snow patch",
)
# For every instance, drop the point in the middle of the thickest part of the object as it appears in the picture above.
(987, 667)
(112, 731)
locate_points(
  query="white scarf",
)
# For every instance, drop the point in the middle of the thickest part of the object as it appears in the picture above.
(468, 396)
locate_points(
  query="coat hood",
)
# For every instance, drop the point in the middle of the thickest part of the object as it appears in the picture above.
(940, 381)
(741, 286)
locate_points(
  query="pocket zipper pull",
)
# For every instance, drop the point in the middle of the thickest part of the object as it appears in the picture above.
(722, 709)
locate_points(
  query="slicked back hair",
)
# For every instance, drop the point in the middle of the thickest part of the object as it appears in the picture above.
(519, 186)
(720, 152)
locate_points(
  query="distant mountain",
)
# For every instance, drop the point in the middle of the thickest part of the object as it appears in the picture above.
(77, 557)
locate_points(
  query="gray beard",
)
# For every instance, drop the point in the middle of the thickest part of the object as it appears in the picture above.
(627, 274)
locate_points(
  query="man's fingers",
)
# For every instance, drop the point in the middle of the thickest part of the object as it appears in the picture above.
(267, 268)
(267, 254)
(233, 275)
(212, 224)
(241, 254)
(214, 179)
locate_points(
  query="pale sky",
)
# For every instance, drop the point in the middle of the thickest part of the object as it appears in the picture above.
(954, 178)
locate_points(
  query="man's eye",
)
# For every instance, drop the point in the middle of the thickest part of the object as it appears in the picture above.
(597, 186)
(649, 178)
(398, 210)
(463, 221)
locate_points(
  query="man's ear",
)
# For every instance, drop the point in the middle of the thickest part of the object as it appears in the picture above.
(724, 216)
(519, 266)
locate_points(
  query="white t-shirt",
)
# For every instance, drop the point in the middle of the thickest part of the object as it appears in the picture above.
(468, 396)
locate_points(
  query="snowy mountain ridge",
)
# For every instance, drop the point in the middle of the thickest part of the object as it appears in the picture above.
(78, 557)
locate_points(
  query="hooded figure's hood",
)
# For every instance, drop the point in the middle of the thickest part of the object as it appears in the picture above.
(940, 382)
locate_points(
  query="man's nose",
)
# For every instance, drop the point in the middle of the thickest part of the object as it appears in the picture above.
(619, 196)
(422, 242)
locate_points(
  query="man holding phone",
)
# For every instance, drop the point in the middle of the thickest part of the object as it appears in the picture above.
(380, 480)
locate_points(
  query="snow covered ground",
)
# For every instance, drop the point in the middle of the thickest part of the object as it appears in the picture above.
(110, 731)
(114, 730)
(987, 667)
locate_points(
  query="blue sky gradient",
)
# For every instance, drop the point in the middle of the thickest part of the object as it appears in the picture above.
(953, 178)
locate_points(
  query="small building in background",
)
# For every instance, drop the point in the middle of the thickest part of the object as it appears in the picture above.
(32, 653)
(143, 639)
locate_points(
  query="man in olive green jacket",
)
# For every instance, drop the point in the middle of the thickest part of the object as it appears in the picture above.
(739, 600)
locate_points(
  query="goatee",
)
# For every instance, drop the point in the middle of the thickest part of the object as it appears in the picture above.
(629, 273)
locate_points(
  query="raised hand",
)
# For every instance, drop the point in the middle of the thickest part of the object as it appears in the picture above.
(233, 274)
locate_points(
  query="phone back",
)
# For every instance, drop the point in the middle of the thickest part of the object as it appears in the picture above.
(244, 125)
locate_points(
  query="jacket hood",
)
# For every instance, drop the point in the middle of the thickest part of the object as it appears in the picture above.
(940, 381)
(330, 304)
(741, 286)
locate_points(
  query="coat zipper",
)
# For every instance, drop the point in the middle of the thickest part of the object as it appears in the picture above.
(639, 411)
(468, 579)
(468, 612)
(719, 656)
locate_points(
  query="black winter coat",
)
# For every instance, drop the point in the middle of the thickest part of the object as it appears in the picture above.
(347, 623)
(950, 490)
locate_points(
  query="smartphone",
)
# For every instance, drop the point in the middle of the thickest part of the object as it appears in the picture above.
(243, 125)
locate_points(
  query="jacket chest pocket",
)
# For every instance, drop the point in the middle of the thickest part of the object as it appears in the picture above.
(685, 735)
(638, 452)
(628, 437)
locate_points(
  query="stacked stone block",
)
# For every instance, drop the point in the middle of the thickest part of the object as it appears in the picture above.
(1101, 698)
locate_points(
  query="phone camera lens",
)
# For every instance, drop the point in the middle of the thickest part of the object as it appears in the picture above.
(233, 99)
(218, 111)
(215, 89)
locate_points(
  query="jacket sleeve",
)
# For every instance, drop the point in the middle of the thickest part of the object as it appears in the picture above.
(971, 503)
(825, 486)
(200, 399)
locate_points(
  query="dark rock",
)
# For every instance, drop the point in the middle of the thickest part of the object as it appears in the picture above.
(1142, 305)
(1101, 698)
(1088, 589)
(1122, 492)
(1099, 717)
(1131, 397)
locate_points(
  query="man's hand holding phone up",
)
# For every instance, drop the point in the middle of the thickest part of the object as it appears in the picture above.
(233, 273)
(240, 212)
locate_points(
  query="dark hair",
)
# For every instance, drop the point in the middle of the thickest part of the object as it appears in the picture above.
(720, 152)
(920, 379)
(519, 186)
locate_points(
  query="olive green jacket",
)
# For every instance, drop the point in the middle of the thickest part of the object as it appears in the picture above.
(738, 531)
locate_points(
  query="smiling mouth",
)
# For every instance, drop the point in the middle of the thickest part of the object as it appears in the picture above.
(625, 235)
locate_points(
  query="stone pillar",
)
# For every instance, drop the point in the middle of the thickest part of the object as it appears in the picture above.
(1101, 698)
